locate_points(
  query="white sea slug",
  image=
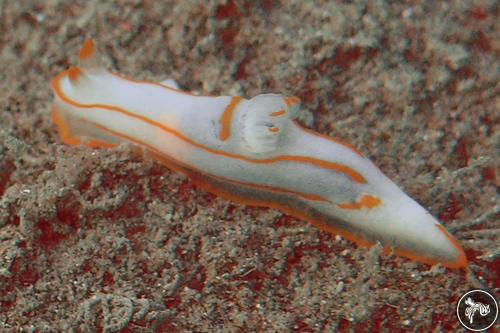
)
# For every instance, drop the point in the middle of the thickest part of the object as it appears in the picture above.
(250, 151)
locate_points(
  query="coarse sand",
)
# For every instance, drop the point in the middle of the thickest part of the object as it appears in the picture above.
(103, 240)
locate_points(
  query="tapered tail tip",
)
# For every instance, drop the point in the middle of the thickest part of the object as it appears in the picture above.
(461, 259)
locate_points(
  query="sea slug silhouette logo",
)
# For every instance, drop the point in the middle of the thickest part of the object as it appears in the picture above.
(470, 311)
(477, 310)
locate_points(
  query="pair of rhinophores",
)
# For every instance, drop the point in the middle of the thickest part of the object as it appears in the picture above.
(250, 151)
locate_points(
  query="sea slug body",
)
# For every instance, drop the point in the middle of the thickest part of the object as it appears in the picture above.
(251, 151)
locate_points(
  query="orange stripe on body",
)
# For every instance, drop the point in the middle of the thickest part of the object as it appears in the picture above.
(366, 201)
(161, 156)
(227, 117)
(462, 262)
(88, 50)
(180, 167)
(64, 130)
(278, 113)
(260, 203)
(94, 143)
(337, 167)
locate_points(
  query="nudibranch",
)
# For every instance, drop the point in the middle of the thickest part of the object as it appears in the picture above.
(251, 151)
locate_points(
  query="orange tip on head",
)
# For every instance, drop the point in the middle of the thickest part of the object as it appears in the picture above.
(366, 201)
(74, 73)
(278, 113)
(88, 50)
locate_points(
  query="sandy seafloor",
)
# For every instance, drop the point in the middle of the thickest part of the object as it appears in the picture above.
(101, 240)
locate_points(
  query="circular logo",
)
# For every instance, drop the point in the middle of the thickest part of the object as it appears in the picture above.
(477, 310)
